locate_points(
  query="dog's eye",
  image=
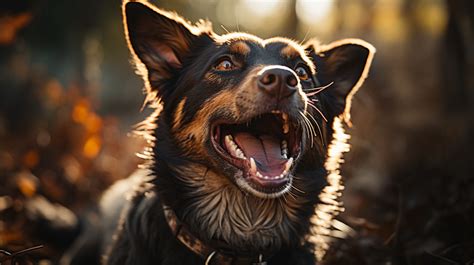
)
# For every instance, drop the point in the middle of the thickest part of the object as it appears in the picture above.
(225, 65)
(302, 73)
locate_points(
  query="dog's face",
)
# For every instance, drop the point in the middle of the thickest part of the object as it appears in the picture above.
(246, 107)
(243, 112)
(256, 113)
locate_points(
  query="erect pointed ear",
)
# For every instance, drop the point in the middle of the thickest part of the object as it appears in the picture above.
(160, 41)
(345, 64)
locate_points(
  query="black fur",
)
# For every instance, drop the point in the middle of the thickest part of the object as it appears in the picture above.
(177, 61)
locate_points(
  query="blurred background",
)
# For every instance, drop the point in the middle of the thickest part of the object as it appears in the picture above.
(69, 99)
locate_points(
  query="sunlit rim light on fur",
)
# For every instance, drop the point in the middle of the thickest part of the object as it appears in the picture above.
(325, 227)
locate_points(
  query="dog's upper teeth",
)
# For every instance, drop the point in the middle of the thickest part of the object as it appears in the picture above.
(286, 125)
(284, 148)
(232, 147)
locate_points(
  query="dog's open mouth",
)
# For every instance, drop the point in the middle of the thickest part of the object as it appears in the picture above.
(264, 148)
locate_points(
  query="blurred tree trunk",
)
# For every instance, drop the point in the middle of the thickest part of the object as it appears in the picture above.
(457, 67)
(290, 28)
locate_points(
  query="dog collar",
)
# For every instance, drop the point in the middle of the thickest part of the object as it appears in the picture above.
(209, 254)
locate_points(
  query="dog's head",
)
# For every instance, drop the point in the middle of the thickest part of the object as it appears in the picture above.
(239, 113)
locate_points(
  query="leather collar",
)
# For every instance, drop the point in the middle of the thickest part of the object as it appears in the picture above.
(209, 254)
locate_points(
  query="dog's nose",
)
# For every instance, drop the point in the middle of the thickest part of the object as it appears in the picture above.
(277, 81)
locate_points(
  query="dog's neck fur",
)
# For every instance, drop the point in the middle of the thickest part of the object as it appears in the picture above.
(218, 210)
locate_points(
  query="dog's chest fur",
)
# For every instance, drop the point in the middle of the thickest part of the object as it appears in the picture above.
(222, 211)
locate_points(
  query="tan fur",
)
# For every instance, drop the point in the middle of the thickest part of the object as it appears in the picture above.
(178, 114)
(240, 47)
(196, 132)
(289, 52)
(194, 135)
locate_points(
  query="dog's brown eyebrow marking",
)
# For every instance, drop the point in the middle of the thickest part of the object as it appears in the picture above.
(178, 115)
(240, 47)
(289, 52)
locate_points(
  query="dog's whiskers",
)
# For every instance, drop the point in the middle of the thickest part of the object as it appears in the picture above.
(302, 124)
(317, 90)
(318, 110)
(305, 35)
(297, 189)
(224, 28)
(305, 127)
(319, 128)
(284, 198)
(309, 126)
(291, 194)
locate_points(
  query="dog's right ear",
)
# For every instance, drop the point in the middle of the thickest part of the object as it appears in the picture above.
(159, 41)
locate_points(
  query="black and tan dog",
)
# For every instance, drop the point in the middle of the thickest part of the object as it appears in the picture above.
(238, 145)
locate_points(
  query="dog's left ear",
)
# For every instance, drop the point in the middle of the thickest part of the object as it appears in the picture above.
(345, 64)
(160, 41)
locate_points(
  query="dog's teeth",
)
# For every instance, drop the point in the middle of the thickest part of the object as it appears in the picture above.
(288, 164)
(284, 148)
(253, 166)
(286, 125)
(286, 128)
(228, 141)
(233, 147)
(259, 175)
(240, 154)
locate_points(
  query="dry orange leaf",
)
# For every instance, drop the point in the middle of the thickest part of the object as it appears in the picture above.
(92, 147)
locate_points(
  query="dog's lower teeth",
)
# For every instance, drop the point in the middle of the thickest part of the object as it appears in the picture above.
(239, 153)
(259, 175)
(288, 164)
(253, 166)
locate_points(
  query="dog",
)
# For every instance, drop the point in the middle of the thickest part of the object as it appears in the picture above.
(238, 146)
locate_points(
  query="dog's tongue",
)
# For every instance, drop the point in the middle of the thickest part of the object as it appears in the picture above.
(265, 149)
